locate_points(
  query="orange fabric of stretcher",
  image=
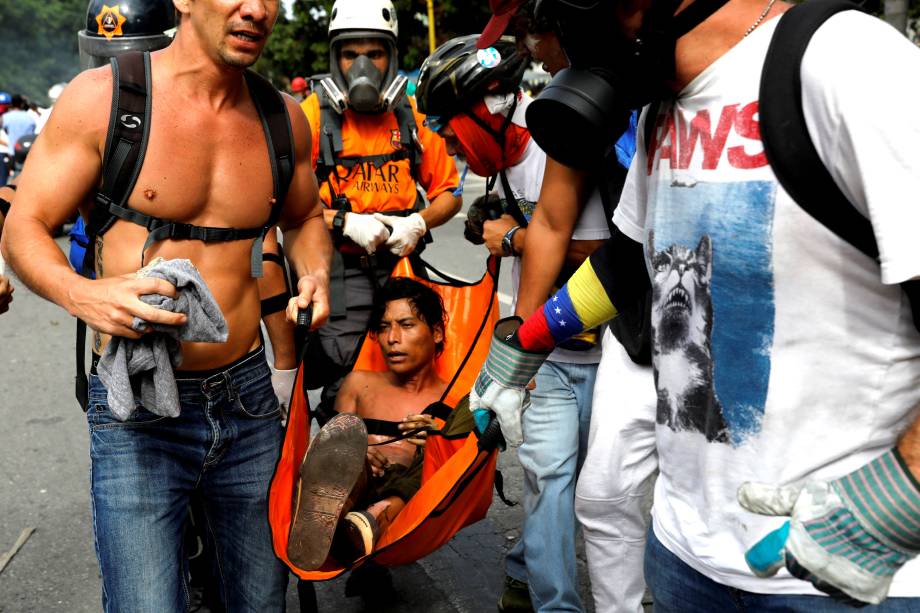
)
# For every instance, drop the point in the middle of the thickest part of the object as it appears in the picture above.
(457, 478)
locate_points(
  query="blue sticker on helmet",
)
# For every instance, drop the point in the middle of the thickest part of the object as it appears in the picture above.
(489, 58)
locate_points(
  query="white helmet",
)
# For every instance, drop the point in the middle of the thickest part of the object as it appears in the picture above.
(363, 15)
(55, 91)
(364, 89)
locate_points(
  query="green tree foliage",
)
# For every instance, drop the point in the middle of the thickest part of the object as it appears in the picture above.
(38, 44)
(299, 46)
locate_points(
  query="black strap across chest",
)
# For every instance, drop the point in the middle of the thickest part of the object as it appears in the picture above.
(383, 427)
(126, 146)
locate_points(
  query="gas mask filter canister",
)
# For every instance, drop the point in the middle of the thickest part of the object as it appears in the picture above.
(610, 75)
(364, 81)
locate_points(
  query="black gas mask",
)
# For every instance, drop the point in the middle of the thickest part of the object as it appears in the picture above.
(586, 107)
(364, 84)
(364, 88)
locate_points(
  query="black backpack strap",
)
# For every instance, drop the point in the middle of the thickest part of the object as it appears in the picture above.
(648, 124)
(408, 135)
(125, 146)
(788, 146)
(330, 139)
(280, 138)
(786, 141)
(511, 204)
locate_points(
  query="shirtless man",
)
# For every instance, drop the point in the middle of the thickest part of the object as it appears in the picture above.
(6, 288)
(408, 322)
(206, 164)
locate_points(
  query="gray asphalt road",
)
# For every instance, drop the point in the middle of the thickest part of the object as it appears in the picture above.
(44, 476)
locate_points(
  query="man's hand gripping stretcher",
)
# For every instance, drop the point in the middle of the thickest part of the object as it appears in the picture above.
(519, 349)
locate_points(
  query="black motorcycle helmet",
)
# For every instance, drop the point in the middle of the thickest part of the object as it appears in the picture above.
(458, 74)
(127, 25)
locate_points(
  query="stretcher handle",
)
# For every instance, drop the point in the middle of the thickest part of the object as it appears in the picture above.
(491, 438)
(305, 317)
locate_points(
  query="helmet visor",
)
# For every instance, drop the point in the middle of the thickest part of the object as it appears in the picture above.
(96, 51)
(436, 123)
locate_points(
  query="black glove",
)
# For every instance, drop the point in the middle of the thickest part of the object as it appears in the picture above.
(485, 208)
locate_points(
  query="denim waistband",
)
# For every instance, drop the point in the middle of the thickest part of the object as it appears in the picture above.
(234, 368)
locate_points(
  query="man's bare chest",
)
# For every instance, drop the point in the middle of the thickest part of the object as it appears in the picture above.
(205, 170)
(393, 404)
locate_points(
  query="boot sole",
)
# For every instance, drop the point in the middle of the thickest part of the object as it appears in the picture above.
(330, 469)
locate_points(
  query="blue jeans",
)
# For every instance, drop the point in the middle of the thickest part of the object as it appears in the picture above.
(224, 446)
(555, 442)
(678, 588)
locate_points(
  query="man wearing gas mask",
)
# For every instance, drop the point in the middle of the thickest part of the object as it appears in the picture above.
(785, 359)
(372, 155)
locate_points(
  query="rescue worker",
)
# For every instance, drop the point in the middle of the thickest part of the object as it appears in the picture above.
(372, 153)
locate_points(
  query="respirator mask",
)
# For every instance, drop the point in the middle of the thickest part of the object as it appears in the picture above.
(364, 88)
(585, 109)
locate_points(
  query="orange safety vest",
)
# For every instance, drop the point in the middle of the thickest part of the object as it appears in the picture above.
(373, 163)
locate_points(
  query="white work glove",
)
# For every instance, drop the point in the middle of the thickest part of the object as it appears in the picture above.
(405, 232)
(365, 231)
(501, 387)
(283, 384)
(848, 537)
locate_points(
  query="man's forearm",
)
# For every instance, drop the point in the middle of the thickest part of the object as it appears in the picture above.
(580, 305)
(441, 210)
(614, 275)
(309, 249)
(562, 199)
(909, 448)
(31, 252)
(541, 263)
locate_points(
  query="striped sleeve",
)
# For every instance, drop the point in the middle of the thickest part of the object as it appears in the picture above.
(581, 304)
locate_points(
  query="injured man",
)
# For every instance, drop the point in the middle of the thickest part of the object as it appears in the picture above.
(353, 484)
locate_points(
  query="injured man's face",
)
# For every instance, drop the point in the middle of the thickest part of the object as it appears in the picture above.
(408, 343)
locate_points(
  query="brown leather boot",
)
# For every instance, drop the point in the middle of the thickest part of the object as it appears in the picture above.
(330, 483)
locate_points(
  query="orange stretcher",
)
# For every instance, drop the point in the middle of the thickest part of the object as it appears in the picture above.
(457, 476)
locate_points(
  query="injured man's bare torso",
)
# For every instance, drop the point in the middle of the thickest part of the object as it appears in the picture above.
(383, 396)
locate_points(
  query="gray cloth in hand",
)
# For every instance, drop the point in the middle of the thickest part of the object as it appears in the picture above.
(143, 368)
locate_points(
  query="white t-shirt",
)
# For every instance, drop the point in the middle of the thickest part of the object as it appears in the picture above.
(526, 179)
(784, 354)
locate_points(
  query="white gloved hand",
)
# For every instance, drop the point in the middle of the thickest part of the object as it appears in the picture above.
(501, 387)
(283, 384)
(848, 537)
(405, 232)
(365, 231)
